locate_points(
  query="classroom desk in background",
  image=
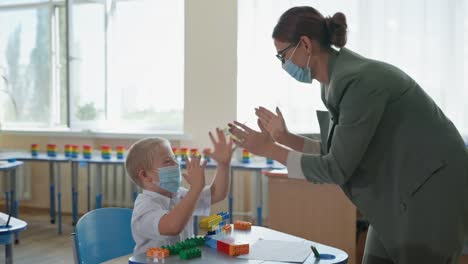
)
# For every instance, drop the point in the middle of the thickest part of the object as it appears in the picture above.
(9, 176)
(7, 233)
(318, 212)
(55, 178)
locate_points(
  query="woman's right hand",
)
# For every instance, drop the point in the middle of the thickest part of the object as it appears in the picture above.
(273, 124)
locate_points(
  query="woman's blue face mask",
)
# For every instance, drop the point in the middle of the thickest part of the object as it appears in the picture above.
(300, 74)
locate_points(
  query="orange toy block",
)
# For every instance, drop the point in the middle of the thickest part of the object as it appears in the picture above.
(159, 253)
(238, 248)
(242, 225)
(227, 228)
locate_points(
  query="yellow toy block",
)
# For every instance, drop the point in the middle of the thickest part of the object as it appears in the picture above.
(211, 223)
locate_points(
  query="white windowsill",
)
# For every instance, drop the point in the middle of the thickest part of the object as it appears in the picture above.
(65, 132)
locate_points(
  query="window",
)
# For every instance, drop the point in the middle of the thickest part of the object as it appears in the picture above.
(129, 67)
(424, 38)
(26, 91)
(126, 65)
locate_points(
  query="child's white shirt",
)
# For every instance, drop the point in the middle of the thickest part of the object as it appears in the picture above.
(148, 210)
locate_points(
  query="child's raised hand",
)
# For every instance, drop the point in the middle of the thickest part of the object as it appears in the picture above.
(223, 149)
(195, 175)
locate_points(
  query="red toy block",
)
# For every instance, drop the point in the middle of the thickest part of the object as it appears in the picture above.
(222, 246)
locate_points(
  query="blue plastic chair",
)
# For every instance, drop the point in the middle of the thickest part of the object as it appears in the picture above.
(103, 234)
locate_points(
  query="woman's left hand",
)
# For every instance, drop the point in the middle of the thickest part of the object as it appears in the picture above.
(258, 143)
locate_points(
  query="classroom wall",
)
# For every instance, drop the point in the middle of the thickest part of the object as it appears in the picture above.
(210, 69)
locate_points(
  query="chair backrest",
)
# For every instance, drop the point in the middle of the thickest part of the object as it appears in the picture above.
(103, 234)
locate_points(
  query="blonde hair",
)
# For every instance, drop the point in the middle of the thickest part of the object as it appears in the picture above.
(141, 156)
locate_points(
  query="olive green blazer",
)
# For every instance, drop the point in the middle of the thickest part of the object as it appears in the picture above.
(395, 154)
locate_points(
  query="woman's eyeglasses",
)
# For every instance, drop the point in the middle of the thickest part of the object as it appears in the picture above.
(280, 54)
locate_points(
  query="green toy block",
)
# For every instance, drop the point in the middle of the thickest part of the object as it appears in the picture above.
(190, 253)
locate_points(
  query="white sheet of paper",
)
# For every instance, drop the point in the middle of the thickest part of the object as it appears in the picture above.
(282, 251)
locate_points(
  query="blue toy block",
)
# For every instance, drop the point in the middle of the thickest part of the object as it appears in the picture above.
(224, 215)
(210, 242)
(210, 233)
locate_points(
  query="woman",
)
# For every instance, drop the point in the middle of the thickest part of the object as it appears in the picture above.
(384, 141)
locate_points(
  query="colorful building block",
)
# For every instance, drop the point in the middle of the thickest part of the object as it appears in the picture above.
(68, 150)
(238, 248)
(269, 161)
(34, 150)
(51, 150)
(120, 151)
(173, 250)
(158, 253)
(186, 244)
(227, 228)
(194, 152)
(222, 246)
(206, 154)
(190, 253)
(245, 156)
(106, 152)
(242, 225)
(176, 152)
(211, 242)
(211, 223)
(227, 133)
(87, 151)
(183, 154)
(224, 215)
(75, 151)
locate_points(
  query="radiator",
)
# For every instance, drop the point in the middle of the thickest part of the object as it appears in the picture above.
(117, 187)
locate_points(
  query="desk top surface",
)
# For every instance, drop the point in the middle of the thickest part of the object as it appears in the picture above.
(5, 165)
(15, 224)
(210, 255)
(254, 164)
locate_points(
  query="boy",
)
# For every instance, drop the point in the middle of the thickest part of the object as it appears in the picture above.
(162, 214)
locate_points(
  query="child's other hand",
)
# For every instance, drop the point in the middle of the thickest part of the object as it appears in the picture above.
(222, 148)
(195, 175)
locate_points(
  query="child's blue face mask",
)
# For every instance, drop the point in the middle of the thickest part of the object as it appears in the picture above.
(169, 178)
(298, 73)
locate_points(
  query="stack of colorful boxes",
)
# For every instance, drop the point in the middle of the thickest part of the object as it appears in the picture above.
(206, 154)
(34, 150)
(75, 151)
(194, 152)
(245, 156)
(68, 150)
(51, 150)
(106, 152)
(269, 161)
(183, 154)
(120, 152)
(87, 151)
(176, 152)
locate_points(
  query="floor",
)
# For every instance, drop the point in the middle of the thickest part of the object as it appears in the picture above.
(40, 243)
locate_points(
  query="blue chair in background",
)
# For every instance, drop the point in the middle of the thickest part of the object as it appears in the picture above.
(102, 235)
